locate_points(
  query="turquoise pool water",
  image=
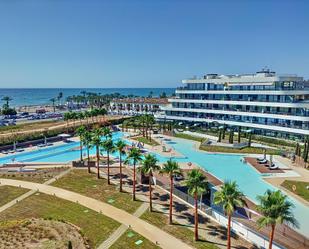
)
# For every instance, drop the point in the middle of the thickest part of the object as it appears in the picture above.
(223, 166)
(230, 167)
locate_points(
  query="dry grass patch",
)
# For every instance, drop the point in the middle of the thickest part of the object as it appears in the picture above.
(39, 233)
(38, 176)
(94, 226)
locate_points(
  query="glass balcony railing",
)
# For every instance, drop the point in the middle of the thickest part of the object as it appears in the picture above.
(301, 125)
(300, 114)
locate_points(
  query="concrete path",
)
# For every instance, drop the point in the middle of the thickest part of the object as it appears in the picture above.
(147, 230)
(31, 192)
(121, 230)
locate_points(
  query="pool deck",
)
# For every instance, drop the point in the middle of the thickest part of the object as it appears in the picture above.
(260, 167)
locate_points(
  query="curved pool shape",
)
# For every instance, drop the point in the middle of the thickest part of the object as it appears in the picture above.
(223, 166)
(231, 167)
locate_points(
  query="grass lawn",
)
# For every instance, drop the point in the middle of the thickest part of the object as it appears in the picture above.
(9, 193)
(146, 141)
(128, 239)
(189, 137)
(300, 188)
(94, 226)
(247, 150)
(181, 232)
(39, 176)
(80, 181)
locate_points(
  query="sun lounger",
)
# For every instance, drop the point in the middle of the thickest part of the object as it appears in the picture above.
(260, 159)
(273, 166)
(263, 161)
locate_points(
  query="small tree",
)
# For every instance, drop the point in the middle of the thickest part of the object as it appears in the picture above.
(239, 134)
(231, 137)
(70, 246)
(219, 136)
(250, 138)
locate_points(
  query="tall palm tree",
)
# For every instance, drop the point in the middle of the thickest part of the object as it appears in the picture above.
(275, 209)
(172, 169)
(230, 197)
(81, 133)
(96, 142)
(67, 117)
(108, 146)
(53, 100)
(87, 142)
(149, 165)
(59, 97)
(134, 155)
(197, 185)
(7, 100)
(149, 121)
(120, 145)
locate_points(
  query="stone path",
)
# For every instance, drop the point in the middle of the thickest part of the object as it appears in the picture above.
(121, 230)
(31, 192)
(147, 230)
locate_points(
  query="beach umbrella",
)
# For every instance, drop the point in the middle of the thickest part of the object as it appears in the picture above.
(271, 160)
(264, 153)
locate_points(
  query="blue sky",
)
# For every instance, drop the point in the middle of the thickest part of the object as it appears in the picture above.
(142, 43)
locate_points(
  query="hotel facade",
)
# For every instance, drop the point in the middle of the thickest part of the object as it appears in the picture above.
(264, 103)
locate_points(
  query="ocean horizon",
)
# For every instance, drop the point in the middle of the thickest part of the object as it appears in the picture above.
(42, 96)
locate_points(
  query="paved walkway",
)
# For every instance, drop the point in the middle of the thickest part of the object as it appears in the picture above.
(121, 230)
(147, 230)
(31, 192)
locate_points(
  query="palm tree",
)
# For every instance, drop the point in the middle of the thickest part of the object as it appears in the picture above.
(134, 155)
(87, 142)
(59, 97)
(120, 145)
(67, 117)
(197, 185)
(81, 133)
(96, 142)
(107, 133)
(172, 169)
(275, 209)
(7, 100)
(109, 147)
(149, 166)
(53, 100)
(149, 121)
(229, 197)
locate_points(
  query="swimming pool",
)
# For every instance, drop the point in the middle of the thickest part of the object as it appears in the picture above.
(231, 167)
(223, 166)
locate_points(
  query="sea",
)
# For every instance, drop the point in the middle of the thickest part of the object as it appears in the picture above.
(42, 96)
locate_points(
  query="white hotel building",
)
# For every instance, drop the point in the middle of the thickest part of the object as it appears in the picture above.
(264, 102)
